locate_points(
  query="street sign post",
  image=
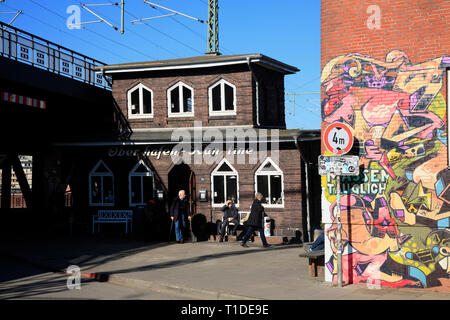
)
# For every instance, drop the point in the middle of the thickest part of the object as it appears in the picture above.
(338, 139)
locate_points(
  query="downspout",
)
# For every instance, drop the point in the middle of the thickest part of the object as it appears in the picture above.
(257, 91)
(308, 214)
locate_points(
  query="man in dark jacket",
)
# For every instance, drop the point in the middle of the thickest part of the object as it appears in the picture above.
(178, 213)
(230, 214)
(255, 221)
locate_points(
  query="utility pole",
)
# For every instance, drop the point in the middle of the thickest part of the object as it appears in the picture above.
(122, 9)
(213, 27)
(298, 94)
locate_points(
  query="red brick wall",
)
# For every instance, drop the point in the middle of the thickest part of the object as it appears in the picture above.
(287, 219)
(381, 97)
(200, 81)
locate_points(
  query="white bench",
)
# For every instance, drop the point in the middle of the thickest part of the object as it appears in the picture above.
(113, 216)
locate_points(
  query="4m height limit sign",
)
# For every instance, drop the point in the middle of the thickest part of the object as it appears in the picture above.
(338, 138)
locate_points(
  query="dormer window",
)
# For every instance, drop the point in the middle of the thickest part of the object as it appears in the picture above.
(180, 98)
(222, 98)
(140, 102)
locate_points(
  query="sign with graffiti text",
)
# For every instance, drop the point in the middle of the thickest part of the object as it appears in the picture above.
(338, 138)
(339, 165)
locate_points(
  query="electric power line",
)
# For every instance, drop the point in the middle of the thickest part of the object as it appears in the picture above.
(149, 41)
(195, 32)
(96, 33)
(180, 42)
(306, 109)
(81, 39)
(304, 84)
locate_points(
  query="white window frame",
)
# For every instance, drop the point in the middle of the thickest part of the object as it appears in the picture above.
(222, 111)
(277, 172)
(139, 115)
(133, 173)
(214, 173)
(179, 85)
(92, 173)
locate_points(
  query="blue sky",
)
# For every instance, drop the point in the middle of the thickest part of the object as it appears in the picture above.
(286, 30)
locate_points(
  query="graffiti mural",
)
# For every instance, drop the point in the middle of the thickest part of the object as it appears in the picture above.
(396, 214)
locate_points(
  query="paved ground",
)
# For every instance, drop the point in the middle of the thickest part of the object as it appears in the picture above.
(19, 280)
(205, 270)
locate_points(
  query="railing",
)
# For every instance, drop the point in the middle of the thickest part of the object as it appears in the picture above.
(25, 47)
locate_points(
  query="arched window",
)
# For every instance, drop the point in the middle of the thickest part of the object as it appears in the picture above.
(141, 184)
(224, 184)
(222, 98)
(269, 181)
(140, 102)
(101, 185)
(180, 100)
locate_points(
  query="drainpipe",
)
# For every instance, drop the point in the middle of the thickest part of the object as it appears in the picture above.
(257, 91)
(308, 214)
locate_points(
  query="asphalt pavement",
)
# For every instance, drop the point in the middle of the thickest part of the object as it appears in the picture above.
(201, 270)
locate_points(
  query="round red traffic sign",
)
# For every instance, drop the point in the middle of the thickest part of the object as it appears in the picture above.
(338, 138)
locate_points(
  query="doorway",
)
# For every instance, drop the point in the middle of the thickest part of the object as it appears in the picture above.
(181, 177)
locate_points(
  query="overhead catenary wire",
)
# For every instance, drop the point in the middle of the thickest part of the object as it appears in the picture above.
(96, 33)
(165, 34)
(71, 35)
(149, 41)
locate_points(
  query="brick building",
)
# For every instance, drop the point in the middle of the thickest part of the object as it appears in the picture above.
(385, 73)
(211, 125)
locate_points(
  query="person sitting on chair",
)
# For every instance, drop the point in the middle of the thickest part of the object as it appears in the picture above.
(230, 214)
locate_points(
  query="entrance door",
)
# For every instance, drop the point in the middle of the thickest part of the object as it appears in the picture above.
(181, 177)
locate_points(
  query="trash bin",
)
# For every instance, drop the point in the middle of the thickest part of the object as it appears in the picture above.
(267, 228)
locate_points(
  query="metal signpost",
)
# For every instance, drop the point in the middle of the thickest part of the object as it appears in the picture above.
(338, 139)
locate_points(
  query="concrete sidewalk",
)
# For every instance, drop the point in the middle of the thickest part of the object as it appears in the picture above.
(202, 270)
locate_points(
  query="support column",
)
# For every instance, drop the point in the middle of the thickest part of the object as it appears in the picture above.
(22, 179)
(6, 183)
(37, 194)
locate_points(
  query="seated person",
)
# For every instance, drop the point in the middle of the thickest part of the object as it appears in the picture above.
(318, 244)
(230, 214)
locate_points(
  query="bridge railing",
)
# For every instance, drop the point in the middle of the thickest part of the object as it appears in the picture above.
(25, 47)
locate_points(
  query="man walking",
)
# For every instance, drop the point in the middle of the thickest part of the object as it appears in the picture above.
(230, 214)
(255, 221)
(178, 213)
